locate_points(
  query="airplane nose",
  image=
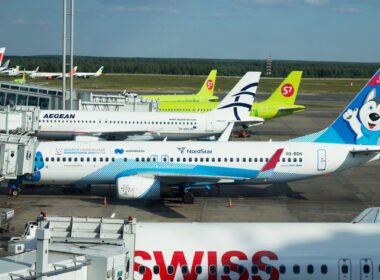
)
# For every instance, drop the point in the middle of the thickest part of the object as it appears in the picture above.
(374, 116)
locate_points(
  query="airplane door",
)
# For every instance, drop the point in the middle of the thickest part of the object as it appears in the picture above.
(321, 164)
(366, 269)
(344, 269)
(209, 125)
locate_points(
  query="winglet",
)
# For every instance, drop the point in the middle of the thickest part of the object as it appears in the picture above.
(368, 216)
(268, 168)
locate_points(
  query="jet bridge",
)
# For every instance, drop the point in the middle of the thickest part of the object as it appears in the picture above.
(20, 120)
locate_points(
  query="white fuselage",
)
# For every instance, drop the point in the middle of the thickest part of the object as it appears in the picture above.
(289, 251)
(120, 125)
(75, 162)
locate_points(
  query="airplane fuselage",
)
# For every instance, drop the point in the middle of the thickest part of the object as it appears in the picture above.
(76, 162)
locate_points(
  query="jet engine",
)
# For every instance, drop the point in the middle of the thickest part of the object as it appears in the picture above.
(138, 187)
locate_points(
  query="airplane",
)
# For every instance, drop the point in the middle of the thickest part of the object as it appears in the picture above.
(257, 251)
(204, 95)
(86, 75)
(142, 170)
(2, 51)
(234, 109)
(51, 75)
(280, 103)
(22, 80)
(5, 66)
(12, 71)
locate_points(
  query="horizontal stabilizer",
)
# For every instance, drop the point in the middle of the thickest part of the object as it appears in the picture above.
(366, 151)
(226, 133)
(268, 169)
(290, 110)
(368, 216)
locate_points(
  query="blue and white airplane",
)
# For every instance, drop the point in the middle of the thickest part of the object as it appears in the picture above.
(141, 170)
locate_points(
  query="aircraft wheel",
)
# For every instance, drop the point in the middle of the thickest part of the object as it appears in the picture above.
(16, 192)
(188, 198)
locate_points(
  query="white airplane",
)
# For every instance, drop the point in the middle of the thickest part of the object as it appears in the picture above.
(51, 75)
(235, 108)
(2, 51)
(5, 66)
(257, 251)
(86, 75)
(141, 170)
(12, 71)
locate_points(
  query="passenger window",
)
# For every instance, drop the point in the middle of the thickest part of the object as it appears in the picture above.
(237, 159)
(323, 269)
(296, 269)
(190, 159)
(94, 159)
(88, 159)
(52, 159)
(201, 159)
(254, 269)
(142, 159)
(243, 159)
(283, 159)
(196, 159)
(225, 159)
(366, 269)
(63, 159)
(100, 159)
(142, 269)
(184, 269)
(170, 269)
(282, 269)
(198, 269)
(156, 269)
(125, 159)
(171, 159)
(107, 159)
(47, 159)
(289, 160)
(261, 159)
(178, 159)
(75, 159)
(268, 269)
(295, 160)
(147, 159)
(58, 159)
(344, 269)
(240, 269)
(310, 269)
(300, 159)
(81, 159)
(250, 159)
(212, 269)
(266, 159)
(226, 269)
(219, 159)
(231, 159)
(184, 159)
(137, 159)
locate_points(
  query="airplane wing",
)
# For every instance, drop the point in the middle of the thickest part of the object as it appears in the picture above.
(369, 215)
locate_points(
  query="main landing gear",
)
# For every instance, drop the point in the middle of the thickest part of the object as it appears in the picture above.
(187, 195)
(13, 189)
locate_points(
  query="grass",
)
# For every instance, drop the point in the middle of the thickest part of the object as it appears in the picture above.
(194, 83)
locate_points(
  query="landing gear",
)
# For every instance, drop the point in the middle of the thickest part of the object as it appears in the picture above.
(188, 197)
(16, 192)
(13, 189)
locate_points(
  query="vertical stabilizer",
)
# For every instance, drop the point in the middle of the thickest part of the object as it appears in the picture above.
(287, 91)
(207, 89)
(2, 51)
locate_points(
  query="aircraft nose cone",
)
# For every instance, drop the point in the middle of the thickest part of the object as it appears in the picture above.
(374, 116)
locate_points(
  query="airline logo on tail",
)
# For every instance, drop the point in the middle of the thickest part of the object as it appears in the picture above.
(210, 84)
(287, 90)
(2, 51)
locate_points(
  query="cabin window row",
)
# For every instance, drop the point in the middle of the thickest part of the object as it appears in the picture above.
(296, 269)
(120, 122)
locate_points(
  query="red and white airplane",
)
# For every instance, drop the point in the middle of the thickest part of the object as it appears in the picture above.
(51, 75)
(2, 51)
(260, 251)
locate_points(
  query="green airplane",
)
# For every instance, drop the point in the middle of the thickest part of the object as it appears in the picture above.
(280, 103)
(22, 80)
(204, 95)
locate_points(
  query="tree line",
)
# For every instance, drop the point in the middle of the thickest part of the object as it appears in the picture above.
(187, 66)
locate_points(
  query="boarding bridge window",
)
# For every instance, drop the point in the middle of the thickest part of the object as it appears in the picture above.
(310, 269)
(33, 101)
(170, 270)
(2, 98)
(226, 269)
(22, 100)
(142, 269)
(240, 269)
(282, 269)
(255, 269)
(198, 269)
(296, 269)
(184, 269)
(268, 269)
(212, 269)
(323, 269)
(156, 269)
(11, 99)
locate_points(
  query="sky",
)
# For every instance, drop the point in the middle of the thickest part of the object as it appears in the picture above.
(320, 30)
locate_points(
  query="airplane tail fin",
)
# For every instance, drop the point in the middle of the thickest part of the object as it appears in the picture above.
(288, 89)
(238, 102)
(207, 89)
(2, 51)
(35, 71)
(100, 71)
(6, 64)
(23, 76)
(359, 123)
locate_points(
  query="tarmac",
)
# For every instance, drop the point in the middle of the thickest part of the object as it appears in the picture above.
(340, 197)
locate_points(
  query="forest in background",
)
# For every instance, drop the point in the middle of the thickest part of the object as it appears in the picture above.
(187, 66)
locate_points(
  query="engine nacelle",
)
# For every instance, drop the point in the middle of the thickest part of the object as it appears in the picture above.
(138, 187)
